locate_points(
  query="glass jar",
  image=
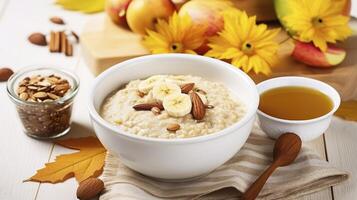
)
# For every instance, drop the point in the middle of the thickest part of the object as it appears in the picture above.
(44, 119)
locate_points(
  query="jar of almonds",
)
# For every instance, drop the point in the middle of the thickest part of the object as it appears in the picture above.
(43, 98)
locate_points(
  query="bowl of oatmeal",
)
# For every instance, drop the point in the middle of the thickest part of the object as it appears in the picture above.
(173, 116)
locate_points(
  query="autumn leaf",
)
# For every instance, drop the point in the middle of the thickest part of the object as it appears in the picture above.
(86, 6)
(88, 162)
(347, 110)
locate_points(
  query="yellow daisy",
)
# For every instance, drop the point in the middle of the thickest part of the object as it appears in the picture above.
(318, 21)
(249, 46)
(178, 35)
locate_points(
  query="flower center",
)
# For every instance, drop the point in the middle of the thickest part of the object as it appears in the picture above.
(176, 47)
(247, 48)
(317, 21)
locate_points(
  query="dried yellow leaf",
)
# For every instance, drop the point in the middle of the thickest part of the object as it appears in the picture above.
(348, 110)
(88, 162)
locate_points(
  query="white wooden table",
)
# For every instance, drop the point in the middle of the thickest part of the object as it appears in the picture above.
(20, 156)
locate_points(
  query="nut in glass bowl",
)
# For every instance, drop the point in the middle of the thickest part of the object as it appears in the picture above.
(43, 98)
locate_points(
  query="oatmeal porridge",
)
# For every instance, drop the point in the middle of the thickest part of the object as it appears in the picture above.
(173, 106)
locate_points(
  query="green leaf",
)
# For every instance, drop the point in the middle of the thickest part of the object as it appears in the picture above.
(86, 6)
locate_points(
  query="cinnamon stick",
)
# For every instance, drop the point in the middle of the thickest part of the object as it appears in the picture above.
(52, 42)
(64, 42)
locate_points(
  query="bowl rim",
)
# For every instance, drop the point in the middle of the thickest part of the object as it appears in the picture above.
(299, 78)
(251, 112)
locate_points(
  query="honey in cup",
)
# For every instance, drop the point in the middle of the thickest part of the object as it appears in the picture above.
(295, 103)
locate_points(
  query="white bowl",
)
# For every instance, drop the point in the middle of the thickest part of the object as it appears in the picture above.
(173, 158)
(306, 129)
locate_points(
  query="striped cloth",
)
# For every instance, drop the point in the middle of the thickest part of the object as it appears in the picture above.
(308, 174)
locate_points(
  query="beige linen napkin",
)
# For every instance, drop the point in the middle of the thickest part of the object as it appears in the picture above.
(308, 174)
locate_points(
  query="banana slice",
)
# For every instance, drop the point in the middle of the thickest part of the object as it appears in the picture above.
(146, 85)
(177, 79)
(164, 89)
(177, 105)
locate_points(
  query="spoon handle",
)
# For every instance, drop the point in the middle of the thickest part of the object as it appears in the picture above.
(257, 186)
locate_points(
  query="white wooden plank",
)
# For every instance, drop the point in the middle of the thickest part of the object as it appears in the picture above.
(3, 4)
(80, 128)
(319, 146)
(342, 151)
(21, 155)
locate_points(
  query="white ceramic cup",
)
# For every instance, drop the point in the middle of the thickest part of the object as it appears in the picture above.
(174, 158)
(306, 129)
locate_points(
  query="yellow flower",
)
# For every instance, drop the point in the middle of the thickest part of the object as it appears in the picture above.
(249, 46)
(319, 21)
(178, 35)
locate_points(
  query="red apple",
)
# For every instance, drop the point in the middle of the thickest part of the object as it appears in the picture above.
(142, 14)
(310, 55)
(116, 9)
(207, 14)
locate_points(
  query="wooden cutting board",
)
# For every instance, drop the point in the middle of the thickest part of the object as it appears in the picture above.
(105, 44)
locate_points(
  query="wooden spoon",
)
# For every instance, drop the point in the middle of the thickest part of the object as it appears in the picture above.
(286, 149)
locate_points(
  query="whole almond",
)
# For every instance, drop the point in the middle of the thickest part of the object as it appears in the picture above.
(5, 74)
(148, 106)
(198, 107)
(186, 88)
(38, 39)
(89, 188)
(57, 20)
(173, 127)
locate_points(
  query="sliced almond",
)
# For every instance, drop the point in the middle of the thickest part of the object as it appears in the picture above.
(186, 88)
(156, 110)
(53, 96)
(21, 89)
(24, 96)
(53, 80)
(173, 127)
(40, 95)
(148, 106)
(141, 94)
(198, 107)
(32, 87)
